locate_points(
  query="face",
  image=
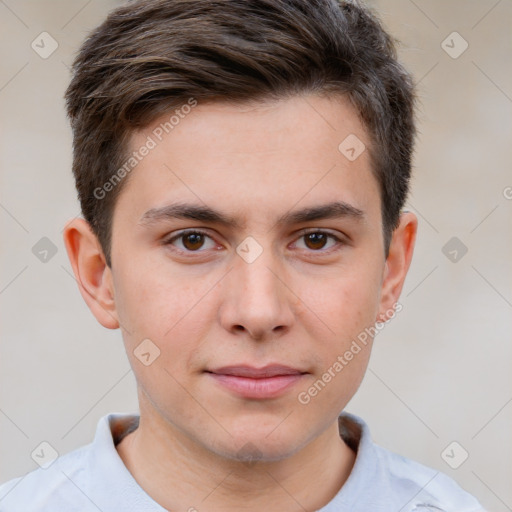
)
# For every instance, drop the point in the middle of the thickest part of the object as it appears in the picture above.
(247, 250)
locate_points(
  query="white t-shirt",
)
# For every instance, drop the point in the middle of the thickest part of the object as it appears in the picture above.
(93, 478)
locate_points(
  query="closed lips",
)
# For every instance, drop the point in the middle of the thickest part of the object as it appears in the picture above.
(256, 373)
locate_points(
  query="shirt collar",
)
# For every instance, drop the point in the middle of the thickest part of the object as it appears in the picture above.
(115, 489)
(118, 490)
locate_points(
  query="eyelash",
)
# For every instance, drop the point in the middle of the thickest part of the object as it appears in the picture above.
(182, 234)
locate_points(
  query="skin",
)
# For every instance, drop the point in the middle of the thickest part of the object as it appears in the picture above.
(299, 303)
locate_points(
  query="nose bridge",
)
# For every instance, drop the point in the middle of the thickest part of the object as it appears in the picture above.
(259, 281)
(257, 299)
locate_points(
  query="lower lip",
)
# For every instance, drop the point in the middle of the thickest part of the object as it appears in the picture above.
(268, 387)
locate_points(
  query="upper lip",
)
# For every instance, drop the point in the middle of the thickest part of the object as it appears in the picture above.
(272, 370)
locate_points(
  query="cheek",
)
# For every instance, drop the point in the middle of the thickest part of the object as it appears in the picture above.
(346, 303)
(172, 312)
(156, 305)
(348, 307)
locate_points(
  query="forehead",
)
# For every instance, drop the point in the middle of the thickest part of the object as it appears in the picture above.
(259, 157)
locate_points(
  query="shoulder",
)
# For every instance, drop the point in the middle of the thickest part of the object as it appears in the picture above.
(385, 476)
(428, 486)
(89, 478)
(44, 489)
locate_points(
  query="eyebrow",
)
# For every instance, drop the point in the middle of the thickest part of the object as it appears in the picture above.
(332, 210)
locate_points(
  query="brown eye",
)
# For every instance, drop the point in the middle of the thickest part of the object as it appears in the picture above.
(315, 241)
(318, 241)
(193, 241)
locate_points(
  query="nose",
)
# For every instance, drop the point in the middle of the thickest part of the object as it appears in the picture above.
(256, 299)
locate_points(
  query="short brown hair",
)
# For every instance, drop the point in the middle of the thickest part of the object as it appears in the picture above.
(151, 56)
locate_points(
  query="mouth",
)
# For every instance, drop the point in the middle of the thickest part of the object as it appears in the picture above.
(245, 381)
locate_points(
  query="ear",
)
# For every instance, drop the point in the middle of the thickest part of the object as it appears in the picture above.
(92, 274)
(397, 263)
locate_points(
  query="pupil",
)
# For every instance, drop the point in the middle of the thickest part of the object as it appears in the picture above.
(193, 241)
(317, 240)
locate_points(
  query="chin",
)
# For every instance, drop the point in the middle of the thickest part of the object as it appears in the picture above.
(260, 442)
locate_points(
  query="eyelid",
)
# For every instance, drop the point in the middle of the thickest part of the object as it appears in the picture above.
(306, 231)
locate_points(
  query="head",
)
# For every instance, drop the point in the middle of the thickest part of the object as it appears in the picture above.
(231, 118)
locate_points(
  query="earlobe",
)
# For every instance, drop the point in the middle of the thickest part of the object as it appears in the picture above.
(92, 274)
(397, 264)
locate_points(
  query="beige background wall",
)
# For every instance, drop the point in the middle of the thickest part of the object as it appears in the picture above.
(440, 371)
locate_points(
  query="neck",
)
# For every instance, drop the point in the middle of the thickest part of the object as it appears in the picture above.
(180, 475)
